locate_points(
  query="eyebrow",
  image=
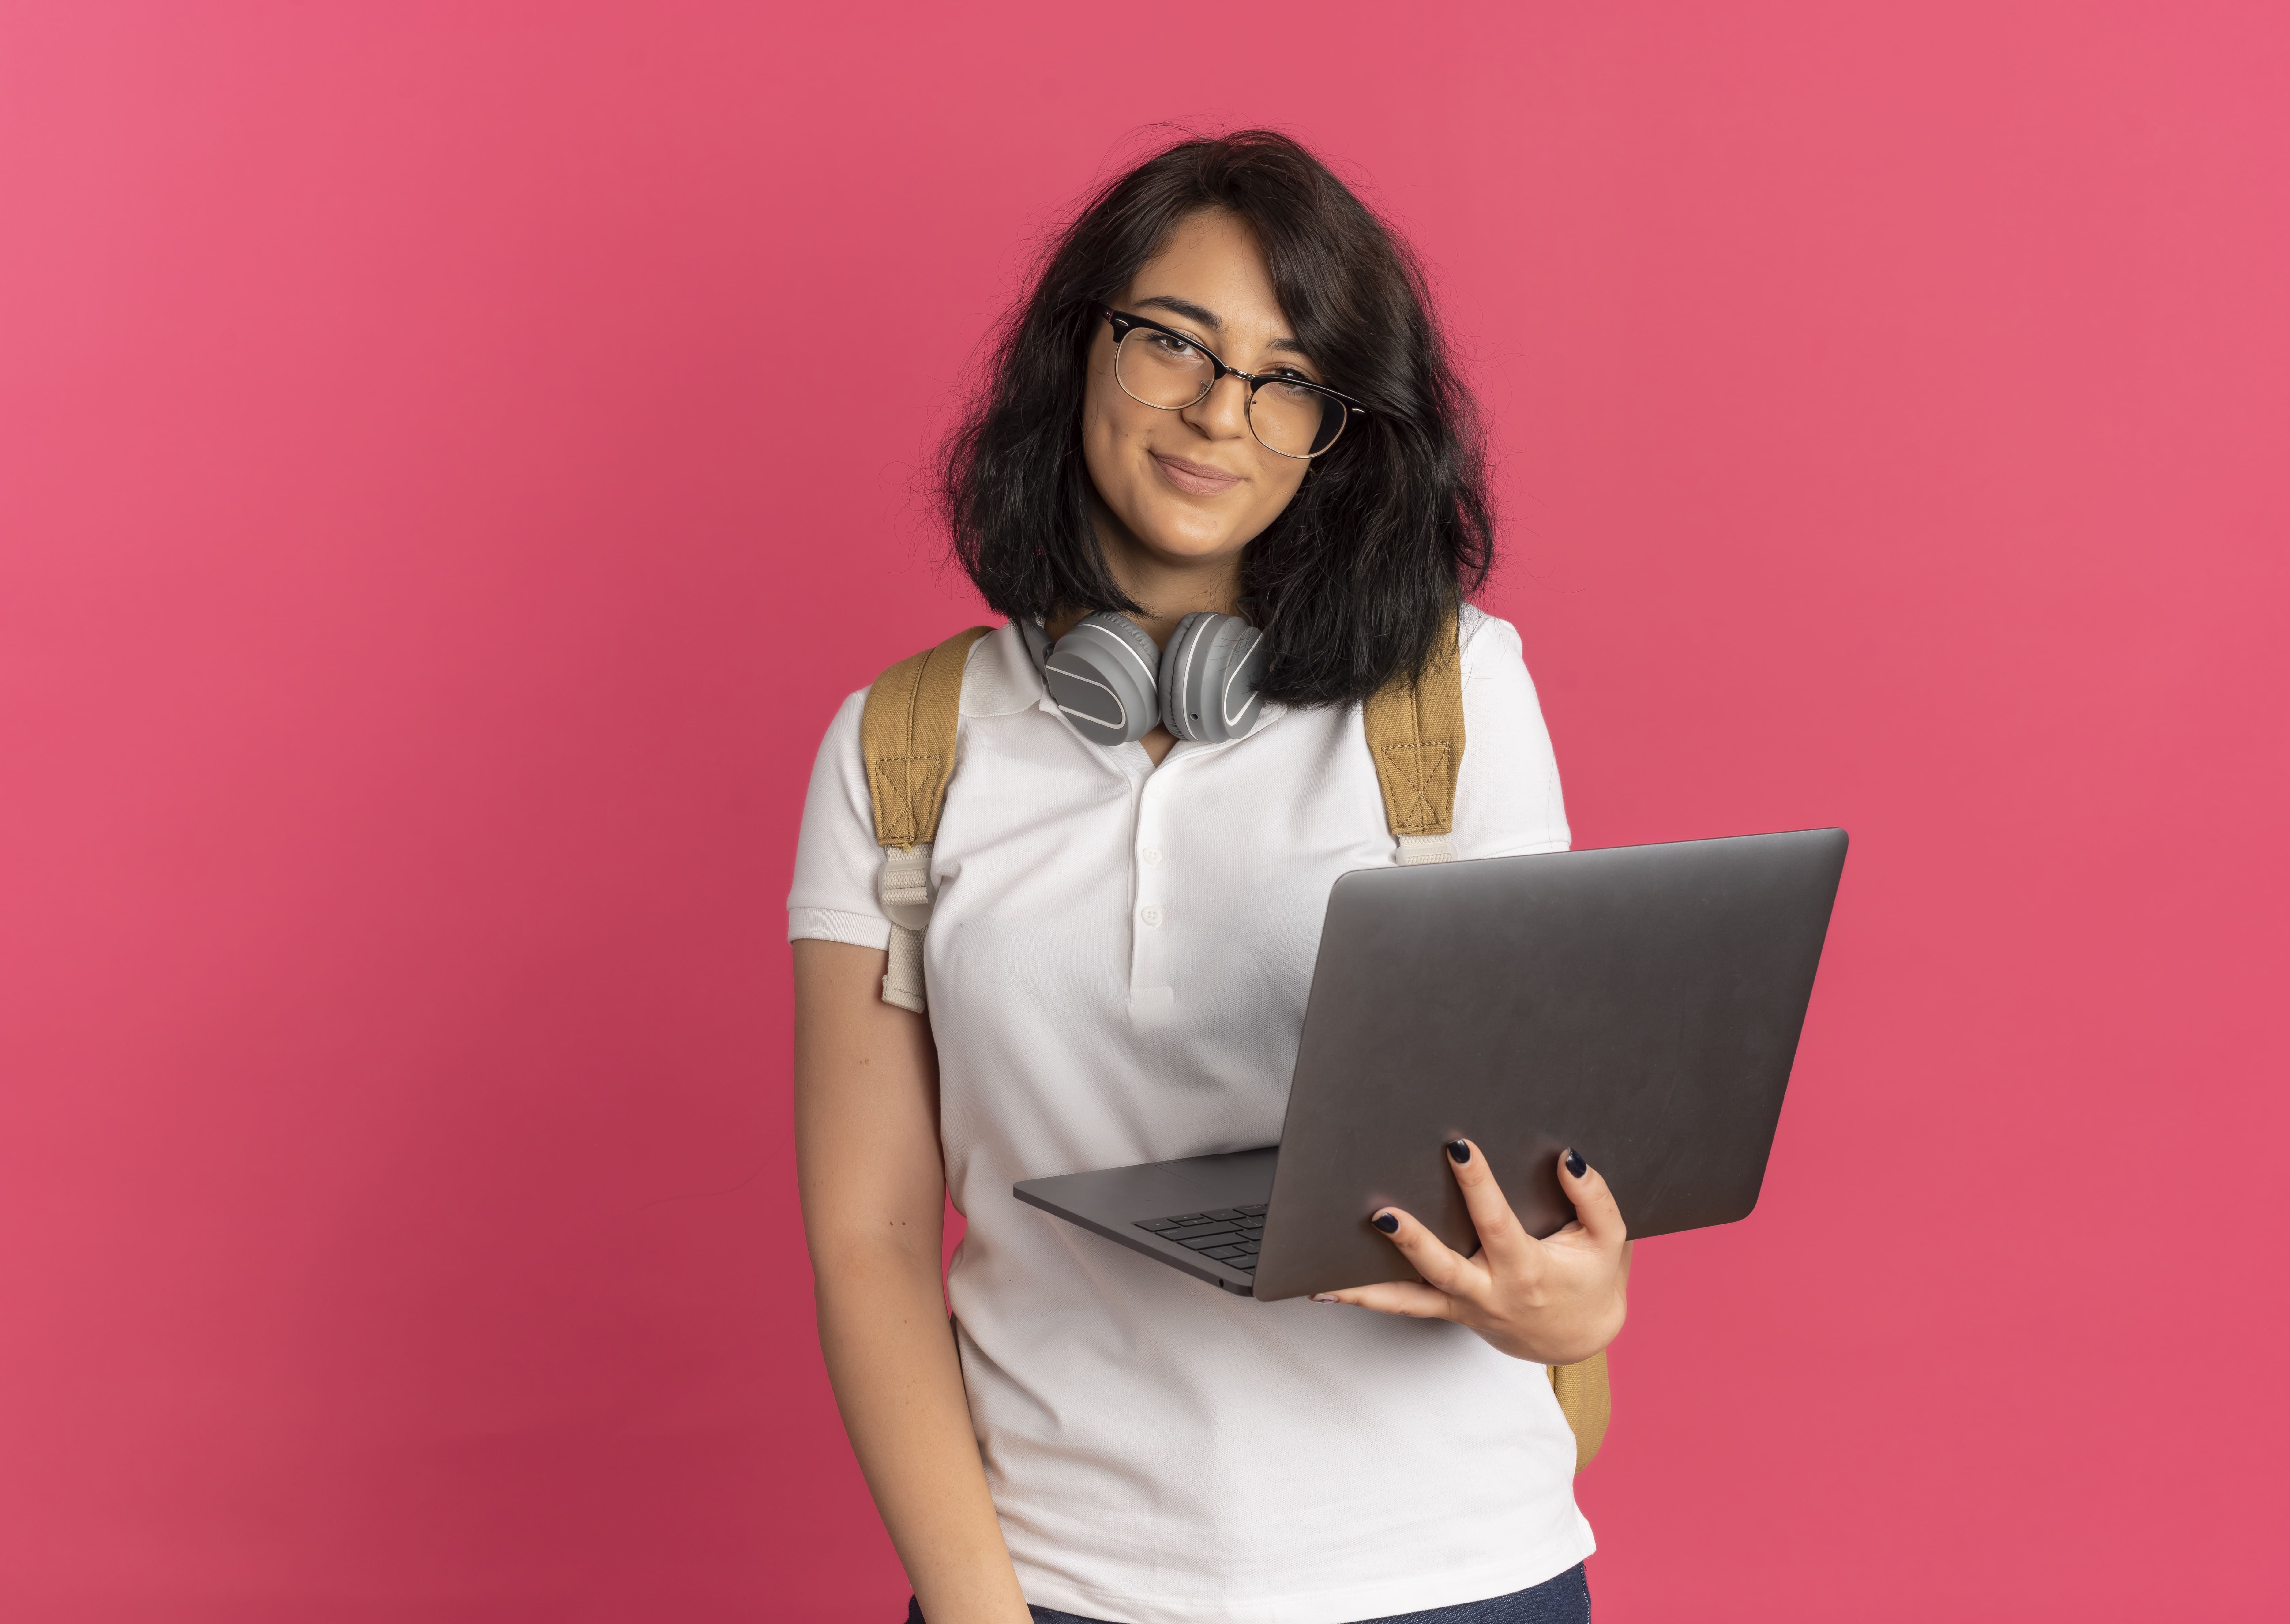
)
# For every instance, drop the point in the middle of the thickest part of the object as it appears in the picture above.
(1207, 318)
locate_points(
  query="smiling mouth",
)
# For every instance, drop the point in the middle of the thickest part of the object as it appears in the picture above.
(1194, 478)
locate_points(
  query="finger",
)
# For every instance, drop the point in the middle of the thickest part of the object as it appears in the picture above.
(1409, 1296)
(1439, 1266)
(1503, 1240)
(1594, 1203)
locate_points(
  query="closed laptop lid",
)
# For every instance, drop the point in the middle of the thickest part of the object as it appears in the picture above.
(1639, 1004)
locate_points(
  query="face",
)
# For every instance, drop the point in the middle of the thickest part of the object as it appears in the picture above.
(1190, 488)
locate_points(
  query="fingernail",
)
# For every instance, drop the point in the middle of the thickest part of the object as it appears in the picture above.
(1575, 1164)
(1458, 1151)
(1389, 1223)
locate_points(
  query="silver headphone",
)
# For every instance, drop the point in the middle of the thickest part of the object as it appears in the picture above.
(1113, 684)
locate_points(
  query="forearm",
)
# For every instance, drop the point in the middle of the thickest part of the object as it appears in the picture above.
(874, 1195)
(891, 1356)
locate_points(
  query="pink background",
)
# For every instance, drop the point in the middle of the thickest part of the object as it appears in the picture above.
(453, 457)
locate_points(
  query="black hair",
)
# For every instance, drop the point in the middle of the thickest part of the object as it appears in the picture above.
(1391, 528)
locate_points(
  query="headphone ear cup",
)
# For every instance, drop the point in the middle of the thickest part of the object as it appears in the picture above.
(1103, 676)
(1209, 674)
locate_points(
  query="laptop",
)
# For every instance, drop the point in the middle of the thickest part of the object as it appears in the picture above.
(1639, 1004)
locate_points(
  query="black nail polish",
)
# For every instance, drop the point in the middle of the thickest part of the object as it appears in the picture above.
(1458, 1152)
(1575, 1164)
(1389, 1223)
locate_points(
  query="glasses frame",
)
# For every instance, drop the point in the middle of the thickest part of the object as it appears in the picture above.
(1124, 324)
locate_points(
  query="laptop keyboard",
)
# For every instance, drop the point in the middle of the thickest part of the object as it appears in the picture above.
(1229, 1235)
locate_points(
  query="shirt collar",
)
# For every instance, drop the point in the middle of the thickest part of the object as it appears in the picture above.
(1000, 676)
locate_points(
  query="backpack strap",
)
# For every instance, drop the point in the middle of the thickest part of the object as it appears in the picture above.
(1415, 736)
(1587, 1400)
(907, 733)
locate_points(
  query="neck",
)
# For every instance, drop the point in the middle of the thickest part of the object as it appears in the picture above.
(1165, 590)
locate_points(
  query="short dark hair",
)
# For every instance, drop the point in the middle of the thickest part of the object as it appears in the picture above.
(1390, 530)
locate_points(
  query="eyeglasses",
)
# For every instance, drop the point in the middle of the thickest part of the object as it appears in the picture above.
(1159, 366)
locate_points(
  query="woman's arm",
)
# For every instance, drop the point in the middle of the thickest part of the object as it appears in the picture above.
(874, 1194)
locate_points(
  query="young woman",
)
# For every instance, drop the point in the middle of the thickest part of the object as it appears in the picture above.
(1225, 393)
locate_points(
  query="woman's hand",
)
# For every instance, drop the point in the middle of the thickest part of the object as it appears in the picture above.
(1556, 1301)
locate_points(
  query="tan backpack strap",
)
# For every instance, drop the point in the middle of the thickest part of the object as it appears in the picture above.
(907, 734)
(1587, 1403)
(1415, 736)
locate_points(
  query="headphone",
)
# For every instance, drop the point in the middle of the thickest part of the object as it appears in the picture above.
(1114, 686)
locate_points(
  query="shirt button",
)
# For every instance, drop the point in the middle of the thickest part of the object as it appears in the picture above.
(1151, 854)
(1152, 916)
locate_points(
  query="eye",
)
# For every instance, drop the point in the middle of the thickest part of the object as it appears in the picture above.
(1293, 390)
(1291, 383)
(1168, 344)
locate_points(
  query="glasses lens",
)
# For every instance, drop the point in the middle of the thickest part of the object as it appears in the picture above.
(1162, 369)
(1295, 420)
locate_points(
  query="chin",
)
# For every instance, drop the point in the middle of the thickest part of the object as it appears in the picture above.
(1188, 544)
(1172, 526)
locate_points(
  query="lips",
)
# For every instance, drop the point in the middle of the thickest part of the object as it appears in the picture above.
(1195, 478)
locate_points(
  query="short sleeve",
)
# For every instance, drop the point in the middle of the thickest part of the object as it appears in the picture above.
(837, 865)
(1507, 797)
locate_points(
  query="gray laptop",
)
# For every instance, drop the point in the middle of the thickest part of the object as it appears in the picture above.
(1640, 1003)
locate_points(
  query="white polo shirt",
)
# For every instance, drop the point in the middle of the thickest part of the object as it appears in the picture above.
(1117, 964)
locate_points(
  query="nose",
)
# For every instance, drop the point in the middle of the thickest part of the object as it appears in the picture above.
(1221, 413)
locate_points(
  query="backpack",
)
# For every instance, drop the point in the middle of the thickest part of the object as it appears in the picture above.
(1414, 732)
